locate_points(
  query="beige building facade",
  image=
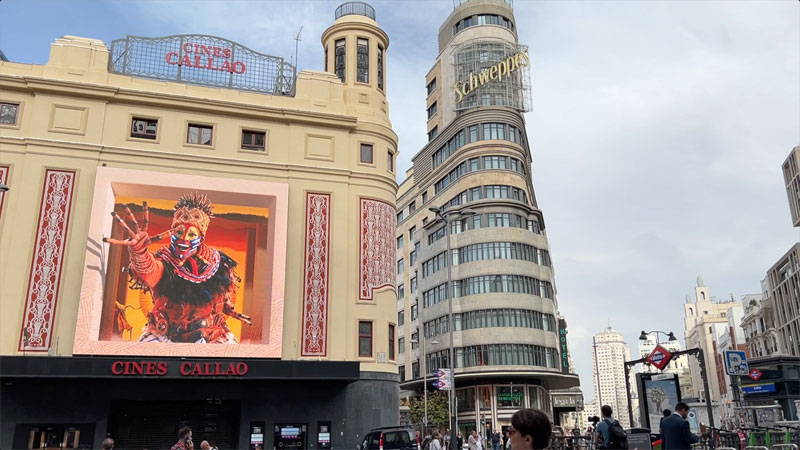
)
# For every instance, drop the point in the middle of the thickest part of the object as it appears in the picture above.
(475, 170)
(300, 173)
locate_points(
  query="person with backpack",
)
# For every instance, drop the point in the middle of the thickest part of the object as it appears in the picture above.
(611, 432)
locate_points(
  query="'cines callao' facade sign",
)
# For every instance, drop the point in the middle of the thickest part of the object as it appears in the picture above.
(495, 72)
(206, 57)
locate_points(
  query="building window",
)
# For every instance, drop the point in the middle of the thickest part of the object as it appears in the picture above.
(402, 369)
(411, 232)
(432, 110)
(380, 67)
(415, 370)
(400, 242)
(254, 140)
(199, 134)
(432, 86)
(433, 133)
(401, 318)
(366, 153)
(425, 197)
(9, 113)
(391, 342)
(400, 266)
(412, 207)
(414, 340)
(413, 285)
(365, 338)
(414, 311)
(390, 161)
(401, 290)
(400, 217)
(362, 55)
(339, 59)
(401, 344)
(140, 128)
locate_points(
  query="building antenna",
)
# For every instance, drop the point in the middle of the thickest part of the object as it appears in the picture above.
(296, 45)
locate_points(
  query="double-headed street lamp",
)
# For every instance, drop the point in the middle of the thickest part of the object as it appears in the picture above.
(442, 216)
(643, 336)
(421, 341)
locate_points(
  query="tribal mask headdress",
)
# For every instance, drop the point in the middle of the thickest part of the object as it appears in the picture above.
(192, 210)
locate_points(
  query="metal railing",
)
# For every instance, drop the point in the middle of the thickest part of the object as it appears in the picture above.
(355, 8)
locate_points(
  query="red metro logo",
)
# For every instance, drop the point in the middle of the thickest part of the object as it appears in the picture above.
(206, 57)
(659, 357)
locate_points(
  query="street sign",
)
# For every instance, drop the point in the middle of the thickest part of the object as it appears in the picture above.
(736, 363)
(755, 374)
(663, 376)
(659, 357)
(442, 385)
(442, 373)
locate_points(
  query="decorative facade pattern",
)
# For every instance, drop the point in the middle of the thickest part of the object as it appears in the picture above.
(315, 287)
(3, 180)
(48, 258)
(377, 246)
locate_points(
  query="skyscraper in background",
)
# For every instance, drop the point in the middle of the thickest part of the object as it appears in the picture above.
(608, 373)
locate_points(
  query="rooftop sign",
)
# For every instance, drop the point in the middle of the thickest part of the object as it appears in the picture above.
(201, 59)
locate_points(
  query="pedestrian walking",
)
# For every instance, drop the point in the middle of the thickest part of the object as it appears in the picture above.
(675, 430)
(107, 444)
(478, 441)
(184, 440)
(471, 442)
(460, 441)
(435, 442)
(530, 429)
(496, 440)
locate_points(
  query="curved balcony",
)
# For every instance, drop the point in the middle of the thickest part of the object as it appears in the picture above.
(355, 8)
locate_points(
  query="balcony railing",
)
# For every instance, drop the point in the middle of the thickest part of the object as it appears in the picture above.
(355, 8)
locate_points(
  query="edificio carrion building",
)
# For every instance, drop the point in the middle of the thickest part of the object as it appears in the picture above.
(262, 309)
(509, 348)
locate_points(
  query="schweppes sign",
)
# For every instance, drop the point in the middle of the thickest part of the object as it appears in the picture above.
(494, 73)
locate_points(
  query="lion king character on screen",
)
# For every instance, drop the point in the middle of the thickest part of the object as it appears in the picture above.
(192, 284)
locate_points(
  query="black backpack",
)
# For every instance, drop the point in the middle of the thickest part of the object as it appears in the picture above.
(616, 435)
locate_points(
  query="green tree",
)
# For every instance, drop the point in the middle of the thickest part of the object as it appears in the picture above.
(438, 406)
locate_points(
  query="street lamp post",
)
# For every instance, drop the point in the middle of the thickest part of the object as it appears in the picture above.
(670, 335)
(441, 215)
(421, 341)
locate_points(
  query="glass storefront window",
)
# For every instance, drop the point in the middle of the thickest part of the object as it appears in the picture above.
(465, 400)
(509, 396)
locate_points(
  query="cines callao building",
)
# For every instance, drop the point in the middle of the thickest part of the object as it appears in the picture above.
(197, 235)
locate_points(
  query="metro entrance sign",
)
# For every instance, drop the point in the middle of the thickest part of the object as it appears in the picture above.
(659, 357)
(755, 374)
(442, 381)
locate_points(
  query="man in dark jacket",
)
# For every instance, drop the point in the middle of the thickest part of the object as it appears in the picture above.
(675, 430)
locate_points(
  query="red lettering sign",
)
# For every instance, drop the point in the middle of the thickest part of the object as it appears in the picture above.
(201, 56)
(158, 368)
(187, 369)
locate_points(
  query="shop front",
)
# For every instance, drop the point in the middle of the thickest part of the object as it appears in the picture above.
(75, 402)
(486, 408)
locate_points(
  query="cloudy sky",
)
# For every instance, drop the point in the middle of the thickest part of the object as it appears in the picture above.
(658, 128)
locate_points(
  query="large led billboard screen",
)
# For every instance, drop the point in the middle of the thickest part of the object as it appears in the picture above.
(183, 265)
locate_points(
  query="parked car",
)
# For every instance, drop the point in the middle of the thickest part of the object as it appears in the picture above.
(390, 438)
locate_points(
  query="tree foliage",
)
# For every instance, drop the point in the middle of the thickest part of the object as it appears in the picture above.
(437, 410)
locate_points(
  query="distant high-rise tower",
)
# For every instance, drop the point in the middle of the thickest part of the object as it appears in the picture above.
(608, 373)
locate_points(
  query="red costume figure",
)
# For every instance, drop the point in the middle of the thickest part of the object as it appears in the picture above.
(193, 285)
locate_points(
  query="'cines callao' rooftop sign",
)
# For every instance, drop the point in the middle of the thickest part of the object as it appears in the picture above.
(495, 72)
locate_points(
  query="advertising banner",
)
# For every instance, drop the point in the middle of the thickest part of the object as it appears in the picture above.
(173, 265)
(658, 392)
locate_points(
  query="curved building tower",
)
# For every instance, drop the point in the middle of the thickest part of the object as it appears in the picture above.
(470, 190)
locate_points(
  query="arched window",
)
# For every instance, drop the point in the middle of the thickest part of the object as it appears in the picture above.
(702, 295)
(691, 312)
